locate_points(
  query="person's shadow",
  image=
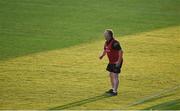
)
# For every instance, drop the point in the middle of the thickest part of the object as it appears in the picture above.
(81, 102)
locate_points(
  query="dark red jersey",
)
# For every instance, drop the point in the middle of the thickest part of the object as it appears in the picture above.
(112, 48)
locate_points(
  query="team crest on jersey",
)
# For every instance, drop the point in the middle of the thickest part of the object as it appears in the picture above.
(107, 49)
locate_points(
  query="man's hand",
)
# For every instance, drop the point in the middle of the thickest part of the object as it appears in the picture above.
(118, 63)
(102, 55)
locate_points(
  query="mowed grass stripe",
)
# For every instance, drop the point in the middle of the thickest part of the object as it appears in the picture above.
(56, 78)
(32, 26)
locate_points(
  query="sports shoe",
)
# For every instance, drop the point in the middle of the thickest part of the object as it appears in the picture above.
(109, 91)
(113, 94)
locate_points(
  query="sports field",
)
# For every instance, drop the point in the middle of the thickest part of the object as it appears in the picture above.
(49, 54)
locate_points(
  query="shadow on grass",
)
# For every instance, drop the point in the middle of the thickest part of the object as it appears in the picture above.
(30, 34)
(164, 93)
(170, 105)
(81, 102)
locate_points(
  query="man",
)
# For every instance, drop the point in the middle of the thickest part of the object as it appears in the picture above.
(115, 55)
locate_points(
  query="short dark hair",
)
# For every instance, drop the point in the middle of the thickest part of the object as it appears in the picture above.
(110, 32)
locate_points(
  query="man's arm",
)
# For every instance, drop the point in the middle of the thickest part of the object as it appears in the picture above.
(120, 57)
(102, 54)
(116, 46)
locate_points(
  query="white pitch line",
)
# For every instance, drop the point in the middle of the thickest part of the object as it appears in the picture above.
(153, 96)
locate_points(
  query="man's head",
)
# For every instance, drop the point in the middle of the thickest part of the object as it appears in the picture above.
(108, 34)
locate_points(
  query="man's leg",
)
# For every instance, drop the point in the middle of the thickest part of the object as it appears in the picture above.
(116, 82)
(111, 79)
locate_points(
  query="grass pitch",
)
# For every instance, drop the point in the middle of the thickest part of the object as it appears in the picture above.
(32, 26)
(74, 78)
(49, 54)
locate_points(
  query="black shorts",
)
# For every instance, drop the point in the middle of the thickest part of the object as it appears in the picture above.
(114, 68)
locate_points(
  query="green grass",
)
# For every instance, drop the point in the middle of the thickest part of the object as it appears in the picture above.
(171, 105)
(49, 54)
(31, 26)
(74, 78)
